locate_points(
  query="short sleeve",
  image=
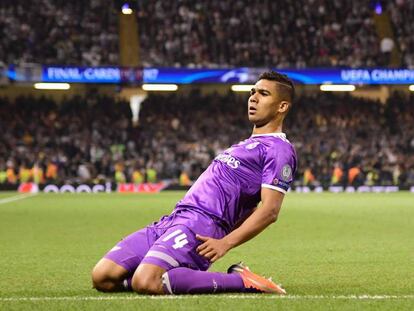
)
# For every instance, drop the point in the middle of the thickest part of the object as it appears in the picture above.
(279, 167)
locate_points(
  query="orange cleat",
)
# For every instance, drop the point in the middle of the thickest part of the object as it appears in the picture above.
(254, 282)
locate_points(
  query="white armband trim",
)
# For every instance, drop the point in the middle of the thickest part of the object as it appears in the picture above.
(274, 188)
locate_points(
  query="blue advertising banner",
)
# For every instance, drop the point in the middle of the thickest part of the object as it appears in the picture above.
(301, 76)
(81, 74)
(117, 75)
(351, 76)
(189, 76)
(111, 75)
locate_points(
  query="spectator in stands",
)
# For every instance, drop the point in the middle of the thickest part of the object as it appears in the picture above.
(401, 13)
(293, 33)
(60, 32)
(212, 33)
(92, 139)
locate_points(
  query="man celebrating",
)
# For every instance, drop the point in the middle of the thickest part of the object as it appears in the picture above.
(217, 214)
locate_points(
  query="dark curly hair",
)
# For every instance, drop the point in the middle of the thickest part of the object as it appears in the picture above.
(286, 88)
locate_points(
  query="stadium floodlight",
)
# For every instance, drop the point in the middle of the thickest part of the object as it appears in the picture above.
(378, 8)
(337, 87)
(411, 87)
(51, 86)
(160, 87)
(126, 9)
(241, 87)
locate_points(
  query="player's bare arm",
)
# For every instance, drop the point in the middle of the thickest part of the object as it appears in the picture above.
(242, 220)
(260, 219)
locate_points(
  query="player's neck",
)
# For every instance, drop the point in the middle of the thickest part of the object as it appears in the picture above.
(267, 129)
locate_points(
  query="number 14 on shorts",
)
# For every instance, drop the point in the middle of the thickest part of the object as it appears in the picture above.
(180, 239)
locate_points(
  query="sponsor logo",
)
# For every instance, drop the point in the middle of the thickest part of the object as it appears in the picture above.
(28, 188)
(145, 187)
(85, 188)
(280, 183)
(81, 188)
(229, 160)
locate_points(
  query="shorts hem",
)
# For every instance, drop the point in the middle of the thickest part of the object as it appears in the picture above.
(122, 264)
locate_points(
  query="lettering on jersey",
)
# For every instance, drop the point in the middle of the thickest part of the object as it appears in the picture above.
(252, 145)
(286, 172)
(229, 160)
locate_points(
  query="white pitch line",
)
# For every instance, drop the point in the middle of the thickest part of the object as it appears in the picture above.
(16, 198)
(173, 297)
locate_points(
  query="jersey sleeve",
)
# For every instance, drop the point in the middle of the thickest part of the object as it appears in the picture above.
(279, 168)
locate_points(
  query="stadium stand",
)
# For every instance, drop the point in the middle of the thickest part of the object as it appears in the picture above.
(333, 136)
(213, 33)
(258, 33)
(58, 32)
(79, 141)
(400, 12)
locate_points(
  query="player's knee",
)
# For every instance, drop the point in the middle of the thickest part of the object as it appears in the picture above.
(102, 281)
(106, 286)
(146, 284)
(107, 276)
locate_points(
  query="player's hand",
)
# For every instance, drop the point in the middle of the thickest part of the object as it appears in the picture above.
(212, 249)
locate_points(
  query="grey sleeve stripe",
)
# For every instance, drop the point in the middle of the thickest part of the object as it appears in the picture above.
(167, 258)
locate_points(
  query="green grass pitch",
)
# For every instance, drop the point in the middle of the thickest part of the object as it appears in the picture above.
(330, 251)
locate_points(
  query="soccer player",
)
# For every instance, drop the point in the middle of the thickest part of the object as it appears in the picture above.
(218, 213)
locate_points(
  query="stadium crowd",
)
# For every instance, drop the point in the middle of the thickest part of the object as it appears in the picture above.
(311, 33)
(400, 12)
(92, 139)
(52, 32)
(307, 33)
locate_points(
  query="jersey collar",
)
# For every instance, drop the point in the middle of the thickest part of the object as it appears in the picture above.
(280, 135)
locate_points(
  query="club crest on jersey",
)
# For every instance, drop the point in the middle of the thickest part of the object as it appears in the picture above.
(286, 172)
(252, 145)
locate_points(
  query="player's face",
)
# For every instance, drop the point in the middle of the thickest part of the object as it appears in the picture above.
(263, 104)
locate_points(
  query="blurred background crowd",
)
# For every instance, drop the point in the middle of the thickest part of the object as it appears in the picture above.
(92, 139)
(60, 32)
(340, 140)
(306, 33)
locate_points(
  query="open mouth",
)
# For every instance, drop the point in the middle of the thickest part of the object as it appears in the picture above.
(252, 110)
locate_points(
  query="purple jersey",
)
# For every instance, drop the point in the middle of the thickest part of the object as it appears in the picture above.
(230, 187)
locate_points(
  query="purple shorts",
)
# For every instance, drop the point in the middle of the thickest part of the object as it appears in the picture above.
(169, 243)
